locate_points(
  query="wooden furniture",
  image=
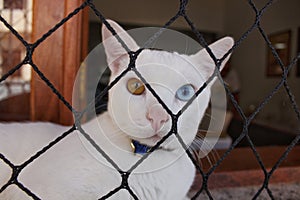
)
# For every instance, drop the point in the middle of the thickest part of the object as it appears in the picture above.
(240, 168)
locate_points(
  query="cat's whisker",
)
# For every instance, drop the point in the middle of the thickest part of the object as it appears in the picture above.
(200, 147)
(207, 115)
(202, 130)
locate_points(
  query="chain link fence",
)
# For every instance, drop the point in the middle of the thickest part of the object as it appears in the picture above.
(181, 13)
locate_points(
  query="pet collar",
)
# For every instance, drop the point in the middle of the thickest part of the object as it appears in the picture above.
(139, 148)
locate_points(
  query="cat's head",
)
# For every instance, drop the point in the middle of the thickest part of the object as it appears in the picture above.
(174, 77)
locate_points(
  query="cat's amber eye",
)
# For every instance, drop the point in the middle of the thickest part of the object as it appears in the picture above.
(135, 86)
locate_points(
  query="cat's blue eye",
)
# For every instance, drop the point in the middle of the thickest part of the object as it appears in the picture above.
(185, 92)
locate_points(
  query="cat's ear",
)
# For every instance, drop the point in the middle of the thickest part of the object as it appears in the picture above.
(114, 49)
(204, 61)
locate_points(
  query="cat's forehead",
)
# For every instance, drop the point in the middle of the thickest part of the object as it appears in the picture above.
(168, 66)
(163, 57)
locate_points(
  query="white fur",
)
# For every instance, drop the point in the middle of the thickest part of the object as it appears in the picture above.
(73, 169)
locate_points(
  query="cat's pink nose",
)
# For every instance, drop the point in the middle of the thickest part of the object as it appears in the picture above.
(157, 116)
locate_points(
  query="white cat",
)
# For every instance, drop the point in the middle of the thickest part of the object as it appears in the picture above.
(74, 169)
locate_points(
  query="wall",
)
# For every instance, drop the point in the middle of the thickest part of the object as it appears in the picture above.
(249, 59)
(157, 12)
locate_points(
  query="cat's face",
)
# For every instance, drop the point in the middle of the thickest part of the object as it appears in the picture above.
(174, 77)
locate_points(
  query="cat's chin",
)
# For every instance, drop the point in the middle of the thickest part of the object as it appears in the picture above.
(153, 140)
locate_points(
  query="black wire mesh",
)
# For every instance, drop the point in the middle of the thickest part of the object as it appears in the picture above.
(30, 47)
